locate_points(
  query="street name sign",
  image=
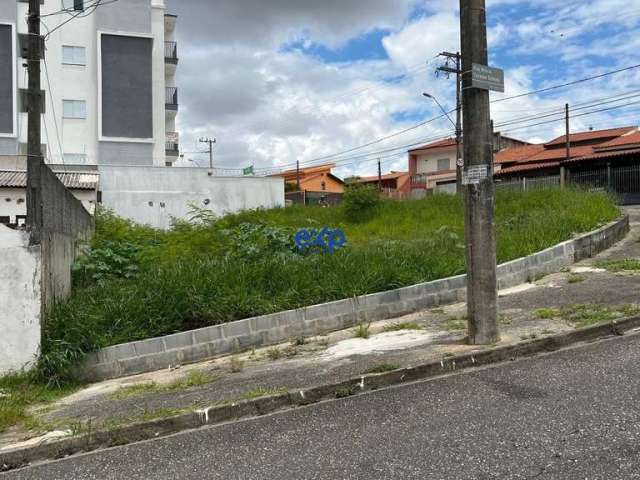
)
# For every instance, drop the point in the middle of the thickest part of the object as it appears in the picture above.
(487, 78)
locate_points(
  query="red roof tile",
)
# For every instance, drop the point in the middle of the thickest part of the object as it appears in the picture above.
(630, 139)
(446, 143)
(527, 167)
(592, 135)
(517, 154)
(606, 154)
(388, 176)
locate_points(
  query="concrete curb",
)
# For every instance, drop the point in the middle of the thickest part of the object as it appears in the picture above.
(197, 345)
(215, 415)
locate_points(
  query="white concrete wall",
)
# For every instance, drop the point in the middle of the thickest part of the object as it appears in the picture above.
(10, 204)
(20, 270)
(152, 195)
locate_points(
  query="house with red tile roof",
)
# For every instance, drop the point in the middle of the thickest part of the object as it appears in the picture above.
(597, 159)
(394, 185)
(313, 179)
(432, 167)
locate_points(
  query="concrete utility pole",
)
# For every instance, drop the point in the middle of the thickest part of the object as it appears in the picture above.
(563, 172)
(482, 295)
(298, 174)
(34, 136)
(457, 70)
(379, 176)
(210, 143)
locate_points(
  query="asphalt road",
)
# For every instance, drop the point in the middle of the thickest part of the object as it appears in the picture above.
(570, 415)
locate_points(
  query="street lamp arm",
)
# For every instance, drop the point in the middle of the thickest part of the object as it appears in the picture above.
(441, 108)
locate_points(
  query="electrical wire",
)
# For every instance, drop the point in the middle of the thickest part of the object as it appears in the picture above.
(53, 109)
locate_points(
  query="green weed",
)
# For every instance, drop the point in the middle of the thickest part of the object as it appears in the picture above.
(454, 324)
(362, 330)
(383, 368)
(195, 378)
(263, 392)
(396, 327)
(546, 313)
(626, 265)
(575, 279)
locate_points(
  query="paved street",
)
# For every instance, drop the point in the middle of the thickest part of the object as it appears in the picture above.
(572, 414)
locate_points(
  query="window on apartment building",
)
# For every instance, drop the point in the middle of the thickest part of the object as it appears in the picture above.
(7, 64)
(73, 55)
(74, 109)
(444, 164)
(75, 158)
(73, 5)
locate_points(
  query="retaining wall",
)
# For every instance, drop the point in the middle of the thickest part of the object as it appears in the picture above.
(182, 348)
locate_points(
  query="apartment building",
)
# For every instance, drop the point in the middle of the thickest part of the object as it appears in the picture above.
(110, 96)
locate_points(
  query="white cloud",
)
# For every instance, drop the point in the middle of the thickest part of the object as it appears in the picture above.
(270, 107)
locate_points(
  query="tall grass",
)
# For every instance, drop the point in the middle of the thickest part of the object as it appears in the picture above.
(187, 280)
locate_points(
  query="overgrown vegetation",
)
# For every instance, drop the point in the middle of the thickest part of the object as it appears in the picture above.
(383, 368)
(584, 315)
(396, 327)
(625, 265)
(195, 378)
(18, 392)
(362, 330)
(137, 282)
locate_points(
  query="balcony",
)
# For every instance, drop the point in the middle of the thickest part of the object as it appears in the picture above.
(171, 52)
(171, 99)
(170, 22)
(419, 182)
(172, 149)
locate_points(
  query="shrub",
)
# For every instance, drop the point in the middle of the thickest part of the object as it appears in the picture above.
(110, 260)
(360, 202)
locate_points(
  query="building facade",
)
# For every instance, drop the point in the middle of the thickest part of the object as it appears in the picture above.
(108, 77)
(433, 167)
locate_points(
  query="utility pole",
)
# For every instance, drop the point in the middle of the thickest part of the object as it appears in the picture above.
(379, 176)
(35, 160)
(457, 70)
(480, 234)
(563, 172)
(298, 174)
(210, 143)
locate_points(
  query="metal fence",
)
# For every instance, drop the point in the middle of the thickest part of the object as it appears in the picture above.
(530, 183)
(313, 198)
(621, 181)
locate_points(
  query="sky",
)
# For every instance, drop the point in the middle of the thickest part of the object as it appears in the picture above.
(275, 81)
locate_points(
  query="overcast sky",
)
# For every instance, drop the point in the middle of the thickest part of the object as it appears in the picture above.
(278, 80)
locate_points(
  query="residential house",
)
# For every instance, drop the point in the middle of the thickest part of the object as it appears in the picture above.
(110, 96)
(602, 159)
(13, 186)
(432, 167)
(394, 185)
(317, 184)
(545, 159)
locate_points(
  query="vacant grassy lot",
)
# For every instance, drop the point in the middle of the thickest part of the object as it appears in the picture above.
(139, 282)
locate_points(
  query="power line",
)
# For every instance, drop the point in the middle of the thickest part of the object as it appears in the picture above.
(81, 14)
(568, 84)
(53, 109)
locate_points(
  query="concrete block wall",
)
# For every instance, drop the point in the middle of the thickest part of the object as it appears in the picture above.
(65, 223)
(182, 348)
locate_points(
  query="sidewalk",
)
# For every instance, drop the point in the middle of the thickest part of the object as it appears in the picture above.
(557, 303)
